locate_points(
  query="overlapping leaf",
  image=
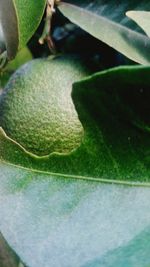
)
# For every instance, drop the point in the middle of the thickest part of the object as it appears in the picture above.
(113, 107)
(142, 18)
(108, 23)
(55, 212)
(19, 21)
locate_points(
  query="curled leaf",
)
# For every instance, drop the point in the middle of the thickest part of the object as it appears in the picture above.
(19, 21)
(142, 18)
(115, 145)
(131, 43)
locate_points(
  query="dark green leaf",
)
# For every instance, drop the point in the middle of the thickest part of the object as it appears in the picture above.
(113, 107)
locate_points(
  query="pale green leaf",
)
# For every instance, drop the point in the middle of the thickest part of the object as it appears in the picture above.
(142, 18)
(129, 42)
(57, 221)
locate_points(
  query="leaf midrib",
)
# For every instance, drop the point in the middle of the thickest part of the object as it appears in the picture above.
(70, 176)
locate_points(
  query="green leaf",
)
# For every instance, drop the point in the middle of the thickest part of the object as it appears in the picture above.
(111, 26)
(142, 18)
(22, 57)
(19, 21)
(113, 107)
(90, 208)
(29, 16)
(57, 221)
(4, 77)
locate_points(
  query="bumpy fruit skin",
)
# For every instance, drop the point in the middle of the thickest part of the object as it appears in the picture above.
(36, 108)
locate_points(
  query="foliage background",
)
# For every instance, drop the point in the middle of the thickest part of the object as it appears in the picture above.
(60, 219)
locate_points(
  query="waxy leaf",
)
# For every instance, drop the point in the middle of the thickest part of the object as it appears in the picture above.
(19, 21)
(90, 208)
(142, 18)
(55, 221)
(110, 25)
(113, 107)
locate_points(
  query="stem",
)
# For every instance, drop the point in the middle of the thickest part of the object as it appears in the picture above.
(46, 35)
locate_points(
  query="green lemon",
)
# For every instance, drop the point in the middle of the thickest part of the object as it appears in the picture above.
(36, 107)
(19, 19)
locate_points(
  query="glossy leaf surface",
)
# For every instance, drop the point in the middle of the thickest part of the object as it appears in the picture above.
(19, 21)
(90, 208)
(142, 18)
(113, 107)
(108, 23)
(56, 221)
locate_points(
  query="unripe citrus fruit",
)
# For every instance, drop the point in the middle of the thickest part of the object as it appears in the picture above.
(36, 108)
